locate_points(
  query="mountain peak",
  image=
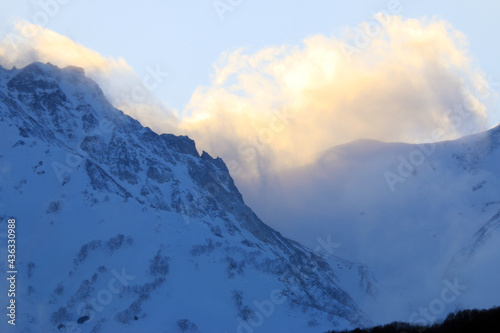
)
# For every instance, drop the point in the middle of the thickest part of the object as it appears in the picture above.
(118, 197)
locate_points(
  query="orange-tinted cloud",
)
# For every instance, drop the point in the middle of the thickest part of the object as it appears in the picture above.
(277, 107)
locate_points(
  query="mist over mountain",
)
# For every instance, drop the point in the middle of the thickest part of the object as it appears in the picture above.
(422, 217)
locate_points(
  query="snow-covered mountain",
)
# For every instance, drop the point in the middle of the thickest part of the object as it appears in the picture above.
(423, 217)
(119, 229)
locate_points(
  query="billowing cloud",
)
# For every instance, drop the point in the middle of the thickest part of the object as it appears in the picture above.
(407, 80)
(28, 43)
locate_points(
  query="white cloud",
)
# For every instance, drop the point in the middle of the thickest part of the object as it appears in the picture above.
(28, 43)
(400, 87)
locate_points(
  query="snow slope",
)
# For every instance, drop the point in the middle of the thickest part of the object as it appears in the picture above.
(120, 229)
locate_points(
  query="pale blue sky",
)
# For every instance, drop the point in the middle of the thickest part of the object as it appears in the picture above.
(186, 37)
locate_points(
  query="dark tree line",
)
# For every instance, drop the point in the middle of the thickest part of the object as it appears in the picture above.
(465, 321)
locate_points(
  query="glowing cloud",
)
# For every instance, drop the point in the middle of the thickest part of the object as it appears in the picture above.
(28, 43)
(277, 107)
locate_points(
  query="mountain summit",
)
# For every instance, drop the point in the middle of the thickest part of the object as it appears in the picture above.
(120, 229)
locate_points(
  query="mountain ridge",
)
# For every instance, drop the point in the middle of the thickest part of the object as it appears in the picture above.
(88, 172)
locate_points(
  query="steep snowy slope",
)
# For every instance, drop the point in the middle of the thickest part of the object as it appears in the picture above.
(123, 230)
(420, 216)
